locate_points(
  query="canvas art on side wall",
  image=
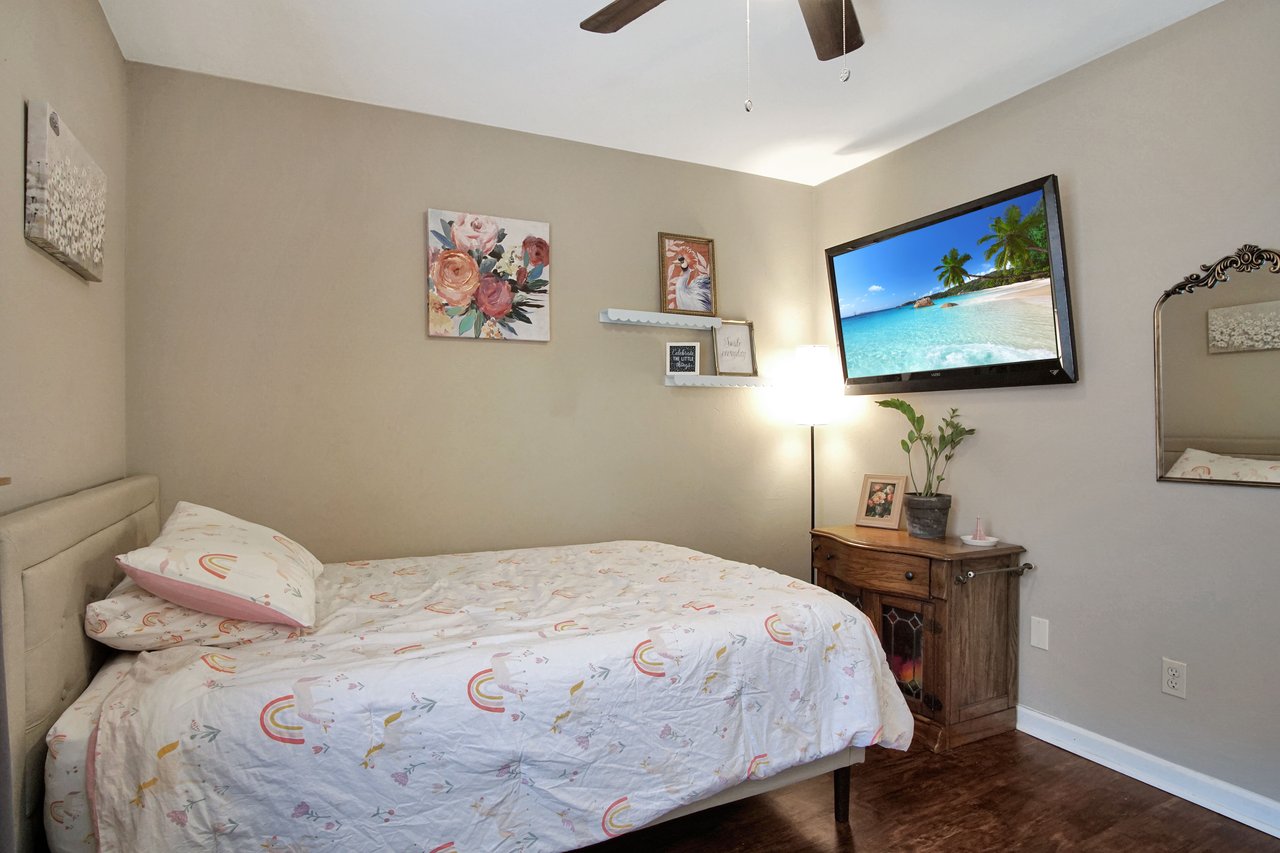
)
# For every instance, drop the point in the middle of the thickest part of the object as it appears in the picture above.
(1241, 328)
(66, 197)
(488, 277)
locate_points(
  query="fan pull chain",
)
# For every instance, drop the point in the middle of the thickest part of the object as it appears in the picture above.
(844, 41)
(747, 103)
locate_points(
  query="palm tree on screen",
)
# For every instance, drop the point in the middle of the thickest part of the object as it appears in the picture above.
(1012, 240)
(951, 271)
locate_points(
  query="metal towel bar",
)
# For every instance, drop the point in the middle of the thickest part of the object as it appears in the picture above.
(965, 577)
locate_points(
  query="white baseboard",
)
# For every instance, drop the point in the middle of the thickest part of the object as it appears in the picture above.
(1222, 797)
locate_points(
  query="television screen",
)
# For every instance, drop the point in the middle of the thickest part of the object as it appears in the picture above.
(972, 297)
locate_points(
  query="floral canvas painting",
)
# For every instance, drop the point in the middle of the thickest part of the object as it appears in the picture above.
(488, 277)
(1244, 327)
(66, 195)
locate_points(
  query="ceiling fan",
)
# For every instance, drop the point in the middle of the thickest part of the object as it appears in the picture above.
(823, 18)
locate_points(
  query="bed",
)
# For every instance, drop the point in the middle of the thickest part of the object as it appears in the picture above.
(57, 556)
(1221, 458)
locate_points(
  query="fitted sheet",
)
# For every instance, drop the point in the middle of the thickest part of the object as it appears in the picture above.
(68, 822)
(537, 699)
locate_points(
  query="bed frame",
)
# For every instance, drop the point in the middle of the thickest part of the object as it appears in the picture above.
(55, 558)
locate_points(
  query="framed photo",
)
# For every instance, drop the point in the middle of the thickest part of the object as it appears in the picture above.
(881, 503)
(735, 348)
(687, 275)
(683, 358)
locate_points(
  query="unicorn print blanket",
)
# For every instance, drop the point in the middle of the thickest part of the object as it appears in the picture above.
(532, 700)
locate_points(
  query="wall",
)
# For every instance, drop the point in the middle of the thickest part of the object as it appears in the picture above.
(62, 359)
(279, 366)
(1166, 154)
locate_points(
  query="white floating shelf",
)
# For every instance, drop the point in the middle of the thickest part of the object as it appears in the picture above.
(698, 380)
(656, 318)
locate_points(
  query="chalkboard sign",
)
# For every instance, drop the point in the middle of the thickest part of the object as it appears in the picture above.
(682, 358)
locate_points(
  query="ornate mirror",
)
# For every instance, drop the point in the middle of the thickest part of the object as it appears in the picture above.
(1218, 373)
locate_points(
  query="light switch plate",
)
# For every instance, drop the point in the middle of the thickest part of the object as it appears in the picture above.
(1040, 633)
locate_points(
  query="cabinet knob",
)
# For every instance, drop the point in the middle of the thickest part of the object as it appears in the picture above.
(831, 556)
(910, 576)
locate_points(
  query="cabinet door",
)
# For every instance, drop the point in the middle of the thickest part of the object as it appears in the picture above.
(908, 632)
(843, 589)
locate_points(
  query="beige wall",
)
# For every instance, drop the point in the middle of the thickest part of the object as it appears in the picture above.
(62, 359)
(279, 366)
(1166, 152)
(1223, 395)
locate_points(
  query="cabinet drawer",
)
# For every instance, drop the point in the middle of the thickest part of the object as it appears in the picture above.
(879, 570)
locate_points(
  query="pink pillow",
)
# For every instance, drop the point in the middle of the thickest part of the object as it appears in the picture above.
(134, 620)
(216, 563)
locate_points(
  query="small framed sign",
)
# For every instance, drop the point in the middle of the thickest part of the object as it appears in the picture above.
(735, 348)
(881, 503)
(683, 358)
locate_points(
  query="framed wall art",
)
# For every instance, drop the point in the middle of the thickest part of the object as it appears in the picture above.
(735, 348)
(687, 274)
(66, 195)
(881, 502)
(488, 277)
(683, 357)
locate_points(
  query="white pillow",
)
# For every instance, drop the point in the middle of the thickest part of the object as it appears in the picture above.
(1201, 465)
(134, 620)
(216, 563)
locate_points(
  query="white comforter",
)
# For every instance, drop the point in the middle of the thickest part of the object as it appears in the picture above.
(538, 699)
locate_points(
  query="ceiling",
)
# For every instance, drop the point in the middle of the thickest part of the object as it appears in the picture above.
(672, 84)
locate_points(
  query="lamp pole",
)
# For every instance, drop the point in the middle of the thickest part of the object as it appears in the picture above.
(812, 387)
(813, 481)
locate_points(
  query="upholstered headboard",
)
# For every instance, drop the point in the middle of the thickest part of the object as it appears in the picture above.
(55, 557)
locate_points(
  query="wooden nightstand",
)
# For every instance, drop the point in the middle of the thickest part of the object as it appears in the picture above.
(952, 646)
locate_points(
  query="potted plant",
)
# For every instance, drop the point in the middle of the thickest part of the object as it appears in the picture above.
(926, 508)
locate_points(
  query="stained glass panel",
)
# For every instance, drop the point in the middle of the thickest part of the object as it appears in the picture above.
(902, 632)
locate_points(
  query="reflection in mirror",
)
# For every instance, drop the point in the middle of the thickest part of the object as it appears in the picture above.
(1217, 337)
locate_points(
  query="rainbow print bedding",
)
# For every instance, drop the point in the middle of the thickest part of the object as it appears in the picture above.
(532, 700)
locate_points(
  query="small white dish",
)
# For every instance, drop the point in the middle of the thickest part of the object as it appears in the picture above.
(988, 542)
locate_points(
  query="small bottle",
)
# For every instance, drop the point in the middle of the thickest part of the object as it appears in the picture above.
(978, 533)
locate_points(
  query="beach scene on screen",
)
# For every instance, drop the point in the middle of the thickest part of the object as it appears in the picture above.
(969, 291)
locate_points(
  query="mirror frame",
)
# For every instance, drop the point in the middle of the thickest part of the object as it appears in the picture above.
(1246, 259)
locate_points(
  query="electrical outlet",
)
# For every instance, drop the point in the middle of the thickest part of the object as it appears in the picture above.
(1039, 633)
(1173, 678)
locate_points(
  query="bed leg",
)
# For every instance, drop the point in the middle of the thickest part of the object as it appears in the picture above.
(842, 778)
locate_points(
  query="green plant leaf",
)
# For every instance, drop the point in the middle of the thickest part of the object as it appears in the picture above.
(467, 322)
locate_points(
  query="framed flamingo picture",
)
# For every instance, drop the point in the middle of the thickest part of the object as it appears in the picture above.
(687, 274)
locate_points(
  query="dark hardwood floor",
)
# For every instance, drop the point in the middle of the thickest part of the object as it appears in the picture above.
(1009, 792)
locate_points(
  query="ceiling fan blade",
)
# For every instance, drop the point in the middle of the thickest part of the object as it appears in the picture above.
(822, 17)
(618, 14)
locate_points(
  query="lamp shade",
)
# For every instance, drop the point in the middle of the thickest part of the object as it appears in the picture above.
(814, 385)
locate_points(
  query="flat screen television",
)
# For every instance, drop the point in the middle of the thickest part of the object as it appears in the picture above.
(973, 297)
